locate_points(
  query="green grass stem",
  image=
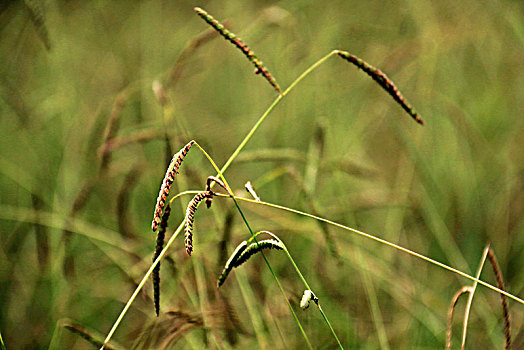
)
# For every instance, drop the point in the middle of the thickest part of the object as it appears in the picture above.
(383, 241)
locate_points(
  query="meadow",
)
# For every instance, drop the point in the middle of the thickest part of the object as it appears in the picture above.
(97, 96)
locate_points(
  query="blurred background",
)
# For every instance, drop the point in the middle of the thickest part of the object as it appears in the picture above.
(96, 96)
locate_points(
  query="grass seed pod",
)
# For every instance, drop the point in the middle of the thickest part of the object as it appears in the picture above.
(229, 36)
(229, 264)
(306, 298)
(159, 246)
(190, 219)
(383, 80)
(169, 177)
(254, 248)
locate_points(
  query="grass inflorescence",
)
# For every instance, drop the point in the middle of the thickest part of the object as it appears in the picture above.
(451, 309)
(229, 36)
(94, 106)
(243, 252)
(383, 80)
(159, 246)
(505, 308)
(169, 177)
(190, 219)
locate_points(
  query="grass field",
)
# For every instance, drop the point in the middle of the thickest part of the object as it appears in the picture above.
(96, 97)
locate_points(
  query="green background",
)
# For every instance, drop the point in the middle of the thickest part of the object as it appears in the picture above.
(337, 146)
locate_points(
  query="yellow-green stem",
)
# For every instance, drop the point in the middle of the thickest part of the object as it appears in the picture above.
(308, 287)
(383, 241)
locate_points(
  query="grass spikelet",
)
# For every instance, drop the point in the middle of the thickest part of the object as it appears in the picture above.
(249, 188)
(256, 247)
(212, 179)
(229, 36)
(454, 301)
(230, 263)
(382, 79)
(306, 298)
(190, 219)
(171, 172)
(504, 302)
(159, 246)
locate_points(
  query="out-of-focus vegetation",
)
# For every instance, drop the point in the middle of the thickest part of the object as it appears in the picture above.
(76, 199)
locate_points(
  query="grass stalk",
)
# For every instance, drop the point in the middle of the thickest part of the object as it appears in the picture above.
(378, 320)
(470, 296)
(383, 241)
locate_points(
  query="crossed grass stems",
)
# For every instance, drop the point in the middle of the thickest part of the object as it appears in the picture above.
(162, 210)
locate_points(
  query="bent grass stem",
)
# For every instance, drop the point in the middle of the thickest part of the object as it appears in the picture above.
(383, 241)
(470, 297)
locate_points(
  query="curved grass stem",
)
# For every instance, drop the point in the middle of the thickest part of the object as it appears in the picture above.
(309, 288)
(383, 241)
(271, 107)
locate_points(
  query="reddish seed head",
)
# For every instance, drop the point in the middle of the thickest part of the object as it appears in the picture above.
(169, 177)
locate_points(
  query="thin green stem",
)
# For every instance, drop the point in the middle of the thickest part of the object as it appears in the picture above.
(271, 107)
(181, 194)
(307, 287)
(380, 240)
(141, 284)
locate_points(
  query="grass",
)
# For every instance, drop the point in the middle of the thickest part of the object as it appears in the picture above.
(444, 190)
